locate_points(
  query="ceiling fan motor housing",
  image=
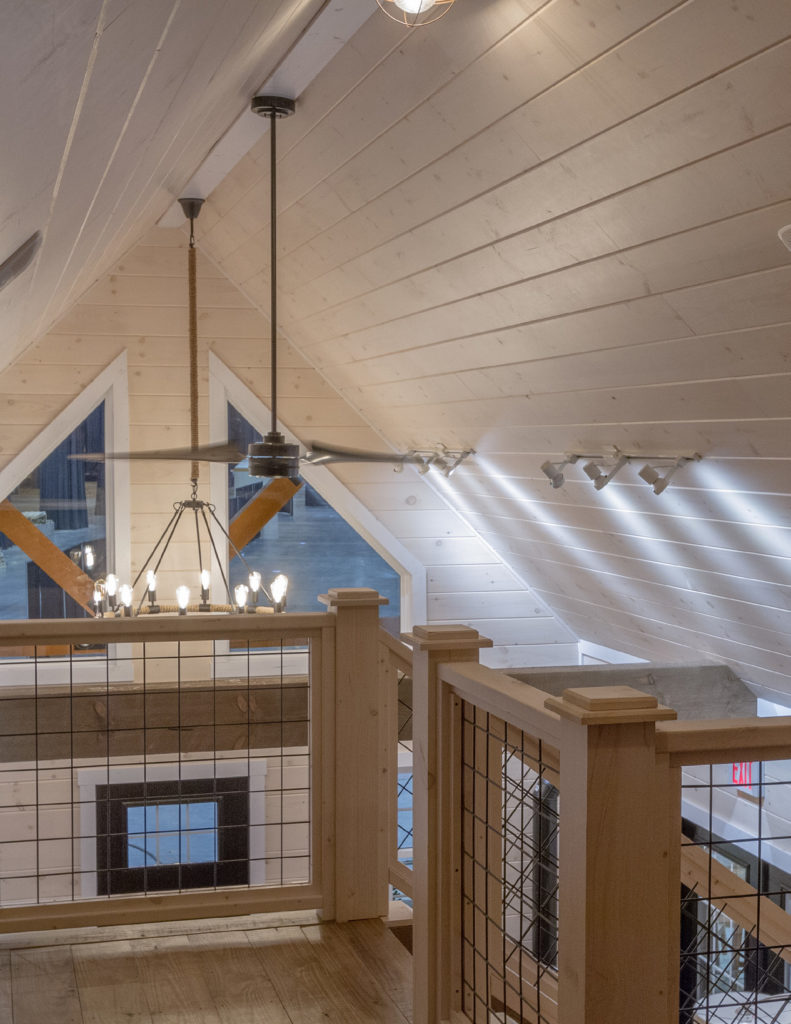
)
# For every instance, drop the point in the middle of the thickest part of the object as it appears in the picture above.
(273, 457)
(272, 106)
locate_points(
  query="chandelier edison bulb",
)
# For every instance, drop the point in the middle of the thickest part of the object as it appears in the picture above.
(415, 12)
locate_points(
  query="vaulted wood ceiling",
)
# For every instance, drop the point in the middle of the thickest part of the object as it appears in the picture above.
(108, 108)
(531, 228)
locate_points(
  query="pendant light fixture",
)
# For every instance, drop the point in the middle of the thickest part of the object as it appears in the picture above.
(413, 13)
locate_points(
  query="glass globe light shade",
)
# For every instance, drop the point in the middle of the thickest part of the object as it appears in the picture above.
(415, 12)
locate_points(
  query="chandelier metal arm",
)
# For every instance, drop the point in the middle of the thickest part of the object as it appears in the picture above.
(176, 515)
(225, 581)
(168, 532)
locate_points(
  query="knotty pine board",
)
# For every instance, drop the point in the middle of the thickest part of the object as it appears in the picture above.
(681, 200)
(586, 169)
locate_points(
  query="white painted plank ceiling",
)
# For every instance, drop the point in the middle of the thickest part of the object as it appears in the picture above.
(542, 227)
(108, 108)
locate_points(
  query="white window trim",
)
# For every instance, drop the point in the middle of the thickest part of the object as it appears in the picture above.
(225, 387)
(111, 387)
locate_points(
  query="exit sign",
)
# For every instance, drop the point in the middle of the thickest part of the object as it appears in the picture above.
(743, 774)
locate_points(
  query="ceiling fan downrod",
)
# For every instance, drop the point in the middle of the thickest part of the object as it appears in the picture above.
(274, 456)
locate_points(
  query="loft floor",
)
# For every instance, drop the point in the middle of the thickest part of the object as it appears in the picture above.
(259, 970)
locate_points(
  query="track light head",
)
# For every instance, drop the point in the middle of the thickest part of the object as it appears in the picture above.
(649, 474)
(554, 472)
(598, 476)
(663, 481)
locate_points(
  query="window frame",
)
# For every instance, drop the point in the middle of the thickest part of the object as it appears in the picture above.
(232, 866)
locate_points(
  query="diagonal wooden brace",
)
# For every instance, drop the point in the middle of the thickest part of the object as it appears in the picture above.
(48, 556)
(262, 507)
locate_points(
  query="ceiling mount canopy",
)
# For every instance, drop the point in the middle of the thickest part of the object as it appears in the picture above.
(413, 13)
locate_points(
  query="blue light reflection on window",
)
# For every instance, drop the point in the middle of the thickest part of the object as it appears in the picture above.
(171, 833)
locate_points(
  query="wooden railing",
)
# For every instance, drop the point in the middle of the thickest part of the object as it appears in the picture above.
(491, 756)
(175, 707)
(513, 793)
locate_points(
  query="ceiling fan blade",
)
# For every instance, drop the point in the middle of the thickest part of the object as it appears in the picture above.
(20, 259)
(325, 454)
(226, 451)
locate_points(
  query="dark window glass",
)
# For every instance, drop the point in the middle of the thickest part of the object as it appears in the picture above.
(66, 501)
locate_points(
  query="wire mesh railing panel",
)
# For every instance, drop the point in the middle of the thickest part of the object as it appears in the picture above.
(510, 821)
(736, 894)
(405, 835)
(395, 661)
(154, 767)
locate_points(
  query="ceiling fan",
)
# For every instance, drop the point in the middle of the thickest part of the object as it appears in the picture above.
(274, 456)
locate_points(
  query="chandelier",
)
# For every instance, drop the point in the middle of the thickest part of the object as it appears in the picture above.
(110, 596)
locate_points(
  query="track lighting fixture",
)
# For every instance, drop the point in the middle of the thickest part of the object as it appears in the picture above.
(601, 468)
(440, 458)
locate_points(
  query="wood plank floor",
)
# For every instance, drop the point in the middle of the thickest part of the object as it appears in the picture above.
(288, 969)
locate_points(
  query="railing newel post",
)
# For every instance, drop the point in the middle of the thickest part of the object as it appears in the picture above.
(618, 929)
(360, 815)
(435, 778)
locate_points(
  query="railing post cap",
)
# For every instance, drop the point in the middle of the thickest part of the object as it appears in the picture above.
(352, 597)
(608, 705)
(433, 638)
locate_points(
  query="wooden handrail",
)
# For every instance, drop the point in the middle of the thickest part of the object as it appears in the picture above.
(401, 653)
(517, 703)
(721, 740)
(142, 628)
